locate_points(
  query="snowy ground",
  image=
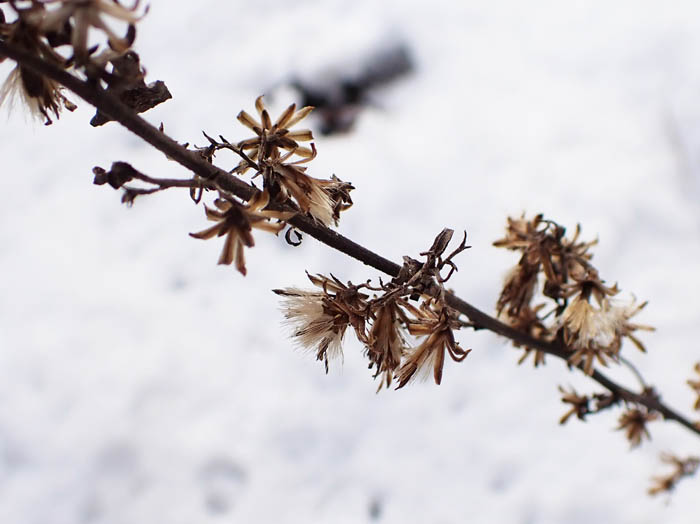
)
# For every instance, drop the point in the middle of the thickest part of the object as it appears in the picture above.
(140, 382)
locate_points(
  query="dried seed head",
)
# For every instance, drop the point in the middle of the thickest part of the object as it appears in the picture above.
(235, 221)
(41, 95)
(437, 325)
(270, 151)
(316, 324)
(310, 194)
(339, 194)
(273, 140)
(596, 333)
(528, 321)
(518, 289)
(80, 16)
(320, 318)
(634, 423)
(385, 342)
(579, 405)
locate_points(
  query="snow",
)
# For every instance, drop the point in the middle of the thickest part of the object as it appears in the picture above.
(141, 382)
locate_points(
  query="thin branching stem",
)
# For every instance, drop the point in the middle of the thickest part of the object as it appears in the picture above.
(192, 161)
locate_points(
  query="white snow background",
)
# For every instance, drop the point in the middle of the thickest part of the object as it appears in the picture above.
(140, 382)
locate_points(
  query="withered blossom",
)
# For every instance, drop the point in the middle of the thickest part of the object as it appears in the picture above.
(518, 289)
(590, 332)
(544, 249)
(41, 95)
(528, 321)
(634, 422)
(624, 328)
(596, 332)
(436, 323)
(584, 405)
(235, 221)
(695, 385)
(682, 468)
(271, 152)
(316, 326)
(273, 137)
(320, 318)
(81, 15)
(339, 193)
(283, 180)
(579, 405)
(385, 342)
(586, 282)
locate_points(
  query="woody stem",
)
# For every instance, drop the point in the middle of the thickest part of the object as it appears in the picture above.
(119, 112)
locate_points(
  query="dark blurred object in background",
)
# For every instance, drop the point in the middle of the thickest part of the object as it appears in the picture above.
(338, 99)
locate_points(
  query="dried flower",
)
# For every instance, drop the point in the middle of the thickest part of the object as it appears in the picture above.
(621, 315)
(544, 249)
(273, 148)
(320, 318)
(235, 221)
(273, 137)
(634, 422)
(579, 405)
(518, 289)
(587, 283)
(596, 333)
(436, 324)
(682, 468)
(584, 405)
(385, 342)
(81, 15)
(528, 321)
(290, 180)
(40, 94)
(339, 194)
(590, 332)
(316, 326)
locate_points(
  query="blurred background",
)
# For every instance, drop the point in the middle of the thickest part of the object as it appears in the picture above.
(141, 382)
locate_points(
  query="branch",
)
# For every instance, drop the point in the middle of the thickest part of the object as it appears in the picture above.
(191, 160)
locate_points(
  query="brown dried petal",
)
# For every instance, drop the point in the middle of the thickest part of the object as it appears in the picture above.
(248, 121)
(299, 116)
(259, 105)
(283, 120)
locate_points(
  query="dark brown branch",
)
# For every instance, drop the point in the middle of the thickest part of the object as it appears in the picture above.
(191, 160)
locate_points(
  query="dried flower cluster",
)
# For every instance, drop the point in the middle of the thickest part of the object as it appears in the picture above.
(555, 295)
(633, 420)
(271, 155)
(582, 313)
(48, 28)
(276, 155)
(383, 322)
